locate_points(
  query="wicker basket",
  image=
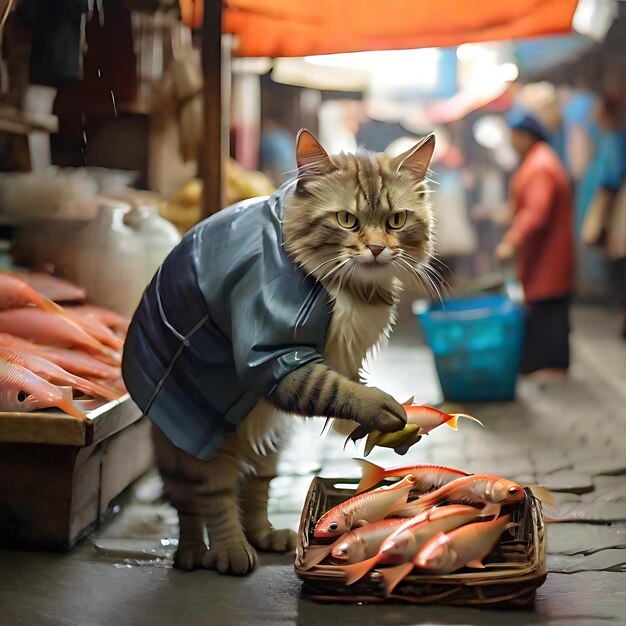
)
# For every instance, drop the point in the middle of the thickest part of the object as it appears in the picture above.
(515, 568)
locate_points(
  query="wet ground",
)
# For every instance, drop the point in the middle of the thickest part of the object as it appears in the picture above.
(568, 436)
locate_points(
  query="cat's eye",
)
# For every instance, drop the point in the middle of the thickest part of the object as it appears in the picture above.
(396, 220)
(347, 220)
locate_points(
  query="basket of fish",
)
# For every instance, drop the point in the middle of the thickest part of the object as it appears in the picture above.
(435, 535)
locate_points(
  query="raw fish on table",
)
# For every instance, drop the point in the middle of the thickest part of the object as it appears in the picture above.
(55, 374)
(95, 328)
(114, 321)
(21, 390)
(51, 329)
(51, 287)
(74, 361)
(15, 293)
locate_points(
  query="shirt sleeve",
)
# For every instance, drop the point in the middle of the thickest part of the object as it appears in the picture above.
(534, 213)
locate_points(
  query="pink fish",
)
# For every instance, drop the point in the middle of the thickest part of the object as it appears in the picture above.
(421, 420)
(21, 390)
(51, 287)
(463, 547)
(74, 361)
(400, 547)
(55, 374)
(15, 293)
(428, 418)
(114, 321)
(95, 328)
(427, 476)
(480, 489)
(49, 329)
(359, 544)
(362, 509)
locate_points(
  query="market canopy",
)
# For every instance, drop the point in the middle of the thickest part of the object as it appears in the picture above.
(279, 28)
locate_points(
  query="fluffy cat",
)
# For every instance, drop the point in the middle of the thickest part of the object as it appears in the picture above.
(359, 224)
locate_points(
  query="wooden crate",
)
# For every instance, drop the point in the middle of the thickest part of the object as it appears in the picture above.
(512, 586)
(59, 474)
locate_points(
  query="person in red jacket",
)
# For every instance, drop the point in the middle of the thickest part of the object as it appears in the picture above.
(541, 238)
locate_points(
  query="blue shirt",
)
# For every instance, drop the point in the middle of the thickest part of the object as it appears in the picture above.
(225, 318)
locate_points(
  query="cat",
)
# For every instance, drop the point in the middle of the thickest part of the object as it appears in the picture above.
(359, 224)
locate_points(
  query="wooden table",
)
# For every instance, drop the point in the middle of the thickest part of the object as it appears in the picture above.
(59, 474)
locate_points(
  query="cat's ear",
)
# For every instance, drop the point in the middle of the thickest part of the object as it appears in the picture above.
(310, 156)
(417, 159)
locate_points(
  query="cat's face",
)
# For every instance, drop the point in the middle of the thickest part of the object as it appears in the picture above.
(359, 220)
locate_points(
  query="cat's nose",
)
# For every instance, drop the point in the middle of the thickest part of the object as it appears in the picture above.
(376, 250)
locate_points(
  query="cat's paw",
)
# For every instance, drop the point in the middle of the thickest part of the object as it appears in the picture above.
(274, 540)
(189, 557)
(234, 558)
(376, 410)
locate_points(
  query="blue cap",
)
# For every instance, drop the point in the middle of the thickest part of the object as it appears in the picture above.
(522, 120)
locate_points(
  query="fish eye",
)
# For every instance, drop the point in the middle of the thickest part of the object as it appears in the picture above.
(512, 490)
(347, 220)
(396, 220)
(333, 526)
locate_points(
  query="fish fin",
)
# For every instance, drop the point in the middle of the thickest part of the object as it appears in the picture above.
(360, 522)
(491, 508)
(371, 474)
(356, 571)
(542, 494)
(468, 417)
(394, 575)
(67, 403)
(511, 525)
(316, 554)
(410, 401)
(476, 563)
(452, 422)
(51, 307)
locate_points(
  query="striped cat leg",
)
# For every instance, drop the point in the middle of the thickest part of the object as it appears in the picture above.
(317, 390)
(229, 551)
(254, 495)
(204, 494)
(182, 475)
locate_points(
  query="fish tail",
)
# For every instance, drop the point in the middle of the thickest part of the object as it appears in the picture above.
(66, 403)
(49, 306)
(542, 494)
(371, 474)
(452, 422)
(95, 389)
(394, 575)
(356, 571)
(455, 417)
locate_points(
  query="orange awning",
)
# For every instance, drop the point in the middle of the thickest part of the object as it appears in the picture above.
(277, 28)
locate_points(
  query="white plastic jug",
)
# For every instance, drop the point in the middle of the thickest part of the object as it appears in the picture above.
(111, 263)
(159, 237)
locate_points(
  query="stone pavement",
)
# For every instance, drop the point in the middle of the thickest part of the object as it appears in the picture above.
(569, 437)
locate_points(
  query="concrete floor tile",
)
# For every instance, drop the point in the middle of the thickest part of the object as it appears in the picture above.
(571, 539)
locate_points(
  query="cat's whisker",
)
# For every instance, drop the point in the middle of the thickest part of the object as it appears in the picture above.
(428, 280)
(334, 259)
(443, 283)
(334, 269)
(424, 279)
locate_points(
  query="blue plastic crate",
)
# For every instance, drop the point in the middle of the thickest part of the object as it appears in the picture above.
(477, 344)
